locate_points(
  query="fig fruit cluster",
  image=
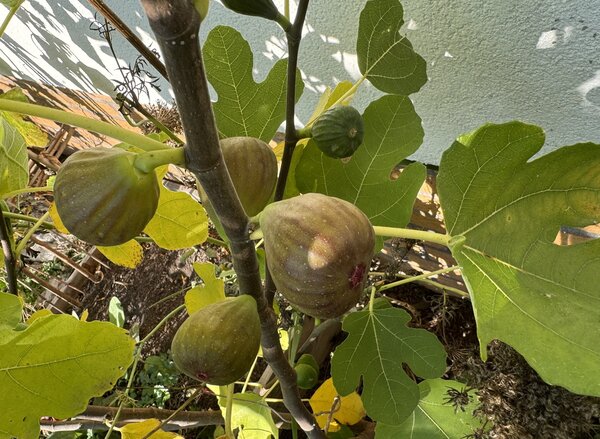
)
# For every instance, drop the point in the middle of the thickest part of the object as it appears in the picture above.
(319, 250)
(102, 198)
(218, 344)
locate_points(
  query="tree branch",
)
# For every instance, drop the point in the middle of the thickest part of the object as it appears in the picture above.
(175, 24)
(95, 418)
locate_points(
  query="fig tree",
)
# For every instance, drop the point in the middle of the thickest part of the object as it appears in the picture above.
(319, 249)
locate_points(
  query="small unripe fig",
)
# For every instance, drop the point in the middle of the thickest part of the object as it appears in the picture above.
(319, 250)
(306, 376)
(218, 343)
(338, 132)
(252, 166)
(102, 198)
(308, 360)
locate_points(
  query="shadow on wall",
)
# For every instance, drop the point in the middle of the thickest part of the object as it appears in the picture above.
(53, 43)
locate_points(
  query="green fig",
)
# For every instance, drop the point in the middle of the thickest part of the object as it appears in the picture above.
(218, 343)
(338, 132)
(102, 198)
(319, 250)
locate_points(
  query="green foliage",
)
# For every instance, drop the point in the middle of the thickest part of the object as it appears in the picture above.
(14, 172)
(385, 57)
(503, 212)
(10, 310)
(54, 366)
(378, 343)
(116, 314)
(250, 414)
(244, 108)
(155, 381)
(179, 222)
(436, 415)
(392, 132)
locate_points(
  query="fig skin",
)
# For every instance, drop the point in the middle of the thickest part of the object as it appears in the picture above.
(252, 166)
(339, 131)
(319, 250)
(218, 344)
(102, 198)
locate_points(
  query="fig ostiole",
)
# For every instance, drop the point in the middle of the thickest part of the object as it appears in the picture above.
(319, 250)
(102, 198)
(218, 343)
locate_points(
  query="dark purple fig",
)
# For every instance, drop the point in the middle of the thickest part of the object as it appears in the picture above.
(218, 343)
(102, 198)
(319, 249)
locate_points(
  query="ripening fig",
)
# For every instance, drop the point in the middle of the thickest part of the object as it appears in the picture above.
(218, 343)
(319, 250)
(252, 166)
(102, 198)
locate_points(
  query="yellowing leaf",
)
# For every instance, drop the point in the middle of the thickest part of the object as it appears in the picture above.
(139, 430)
(250, 414)
(349, 411)
(58, 224)
(278, 150)
(38, 314)
(213, 289)
(129, 254)
(179, 221)
(330, 97)
(84, 315)
(54, 366)
(32, 134)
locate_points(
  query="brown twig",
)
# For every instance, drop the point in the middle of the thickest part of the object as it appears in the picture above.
(95, 418)
(176, 24)
(133, 39)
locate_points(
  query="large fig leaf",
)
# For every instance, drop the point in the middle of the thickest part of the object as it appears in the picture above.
(53, 368)
(14, 173)
(385, 57)
(392, 132)
(244, 108)
(435, 416)
(503, 213)
(378, 343)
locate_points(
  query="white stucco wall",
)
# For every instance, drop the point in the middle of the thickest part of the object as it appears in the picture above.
(538, 61)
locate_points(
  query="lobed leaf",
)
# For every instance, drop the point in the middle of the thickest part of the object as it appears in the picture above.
(54, 367)
(244, 108)
(392, 132)
(385, 57)
(435, 417)
(378, 343)
(503, 212)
